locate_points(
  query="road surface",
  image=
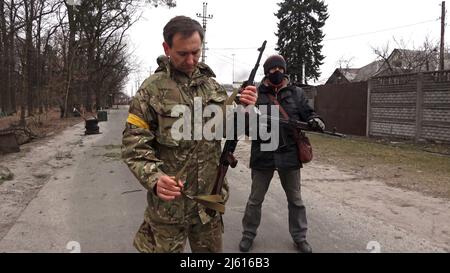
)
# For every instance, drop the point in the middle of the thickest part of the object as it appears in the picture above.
(73, 193)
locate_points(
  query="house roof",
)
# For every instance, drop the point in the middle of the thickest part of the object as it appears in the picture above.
(379, 68)
(368, 71)
(360, 74)
(349, 73)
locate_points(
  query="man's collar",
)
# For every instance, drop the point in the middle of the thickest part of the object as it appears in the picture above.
(268, 88)
(201, 73)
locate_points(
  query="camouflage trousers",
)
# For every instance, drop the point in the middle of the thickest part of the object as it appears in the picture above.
(171, 238)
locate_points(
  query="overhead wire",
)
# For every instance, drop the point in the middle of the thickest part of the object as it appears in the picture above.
(342, 37)
(381, 30)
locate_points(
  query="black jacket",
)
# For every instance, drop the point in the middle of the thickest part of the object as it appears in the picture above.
(294, 102)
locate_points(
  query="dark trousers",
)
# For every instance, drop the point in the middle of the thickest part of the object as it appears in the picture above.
(290, 180)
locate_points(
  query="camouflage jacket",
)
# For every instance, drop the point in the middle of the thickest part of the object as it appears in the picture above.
(150, 151)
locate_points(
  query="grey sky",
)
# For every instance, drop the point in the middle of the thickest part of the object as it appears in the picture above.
(240, 26)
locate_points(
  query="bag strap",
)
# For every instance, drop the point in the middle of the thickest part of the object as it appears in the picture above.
(284, 114)
(277, 103)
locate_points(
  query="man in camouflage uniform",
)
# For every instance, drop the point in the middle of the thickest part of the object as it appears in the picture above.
(154, 156)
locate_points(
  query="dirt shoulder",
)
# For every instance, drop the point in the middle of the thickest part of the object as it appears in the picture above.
(422, 168)
(402, 185)
(396, 193)
(43, 125)
(34, 165)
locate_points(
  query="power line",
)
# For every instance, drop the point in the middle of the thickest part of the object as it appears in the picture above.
(265, 56)
(337, 38)
(221, 58)
(382, 30)
(241, 63)
(234, 48)
(225, 59)
(241, 48)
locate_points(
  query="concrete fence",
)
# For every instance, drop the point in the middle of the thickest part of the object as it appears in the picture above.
(411, 106)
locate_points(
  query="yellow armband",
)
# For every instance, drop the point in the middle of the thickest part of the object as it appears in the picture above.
(137, 121)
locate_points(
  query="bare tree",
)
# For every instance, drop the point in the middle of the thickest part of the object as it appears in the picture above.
(104, 30)
(8, 29)
(3, 64)
(345, 63)
(52, 52)
(101, 26)
(404, 60)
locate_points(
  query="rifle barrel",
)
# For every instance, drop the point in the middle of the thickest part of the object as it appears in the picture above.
(300, 125)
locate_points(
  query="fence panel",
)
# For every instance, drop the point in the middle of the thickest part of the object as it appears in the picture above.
(410, 106)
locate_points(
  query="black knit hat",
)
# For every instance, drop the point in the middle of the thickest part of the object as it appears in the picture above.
(274, 61)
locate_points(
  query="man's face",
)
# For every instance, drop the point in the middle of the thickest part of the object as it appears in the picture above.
(185, 52)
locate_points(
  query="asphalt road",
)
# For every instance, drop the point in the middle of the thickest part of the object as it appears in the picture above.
(94, 204)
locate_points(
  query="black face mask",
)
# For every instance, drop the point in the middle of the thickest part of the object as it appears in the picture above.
(276, 78)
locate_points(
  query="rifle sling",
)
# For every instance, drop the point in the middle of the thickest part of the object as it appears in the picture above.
(284, 113)
(214, 202)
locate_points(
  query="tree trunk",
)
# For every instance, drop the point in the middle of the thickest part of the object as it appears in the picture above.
(38, 56)
(10, 58)
(70, 59)
(12, 63)
(29, 56)
(4, 56)
(90, 80)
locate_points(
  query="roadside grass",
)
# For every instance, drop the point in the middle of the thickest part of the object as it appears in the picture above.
(421, 167)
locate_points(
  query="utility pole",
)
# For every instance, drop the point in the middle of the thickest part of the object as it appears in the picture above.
(442, 53)
(205, 17)
(303, 74)
(233, 68)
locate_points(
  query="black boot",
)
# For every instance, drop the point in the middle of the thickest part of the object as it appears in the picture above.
(303, 247)
(245, 244)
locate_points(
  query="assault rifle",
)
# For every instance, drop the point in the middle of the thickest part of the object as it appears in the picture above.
(227, 158)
